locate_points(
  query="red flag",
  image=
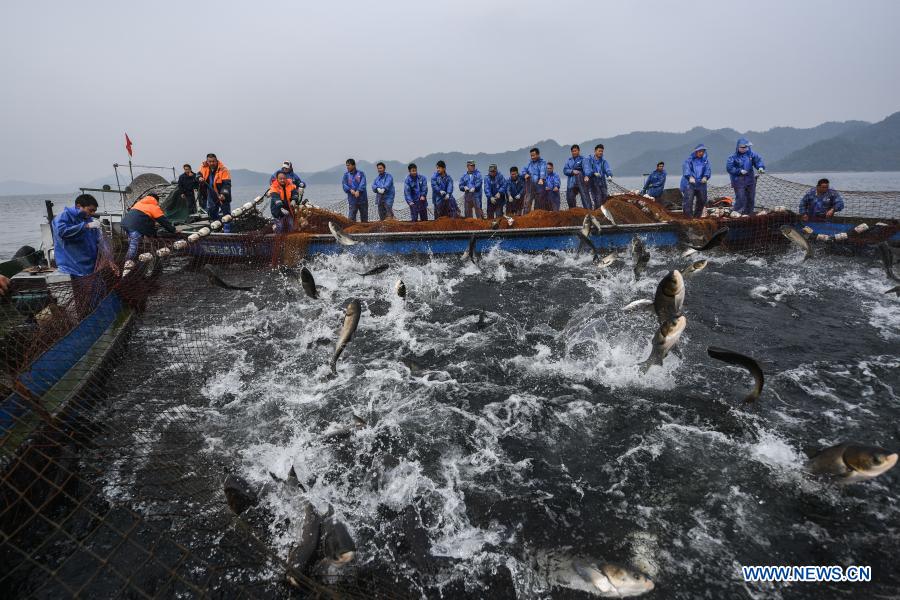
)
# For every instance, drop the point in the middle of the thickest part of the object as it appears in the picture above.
(128, 145)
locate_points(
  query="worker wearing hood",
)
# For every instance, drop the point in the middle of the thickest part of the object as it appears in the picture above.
(740, 167)
(695, 172)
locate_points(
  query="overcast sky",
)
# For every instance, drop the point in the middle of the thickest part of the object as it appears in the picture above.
(260, 82)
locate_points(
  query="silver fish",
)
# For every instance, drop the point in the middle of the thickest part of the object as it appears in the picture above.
(471, 252)
(669, 297)
(798, 240)
(735, 358)
(694, 268)
(309, 283)
(339, 235)
(596, 223)
(351, 320)
(664, 340)
(607, 260)
(400, 288)
(375, 270)
(851, 463)
(216, 279)
(607, 214)
(611, 580)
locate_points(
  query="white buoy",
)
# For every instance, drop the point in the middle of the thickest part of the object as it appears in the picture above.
(840, 237)
(215, 225)
(163, 252)
(204, 231)
(145, 257)
(861, 228)
(193, 238)
(180, 244)
(823, 237)
(226, 218)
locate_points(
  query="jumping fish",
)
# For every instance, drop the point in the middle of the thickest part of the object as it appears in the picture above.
(887, 259)
(606, 213)
(734, 358)
(309, 283)
(607, 260)
(893, 290)
(596, 223)
(639, 255)
(307, 540)
(798, 240)
(238, 494)
(715, 240)
(400, 288)
(215, 279)
(376, 270)
(664, 340)
(471, 252)
(337, 544)
(351, 320)
(605, 580)
(669, 297)
(639, 304)
(585, 240)
(694, 268)
(850, 463)
(342, 238)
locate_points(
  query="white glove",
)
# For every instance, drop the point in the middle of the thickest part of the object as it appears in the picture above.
(93, 225)
(703, 180)
(519, 196)
(761, 171)
(284, 212)
(743, 171)
(380, 190)
(691, 180)
(609, 176)
(471, 189)
(496, 196)
(444, 194)
(302, 184)
(596, 174)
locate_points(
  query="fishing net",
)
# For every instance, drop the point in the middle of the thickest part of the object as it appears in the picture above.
(102, 405)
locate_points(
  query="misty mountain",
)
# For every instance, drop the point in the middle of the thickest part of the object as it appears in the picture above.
(871, 148)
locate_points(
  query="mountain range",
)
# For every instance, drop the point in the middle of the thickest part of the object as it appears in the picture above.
(831, 146)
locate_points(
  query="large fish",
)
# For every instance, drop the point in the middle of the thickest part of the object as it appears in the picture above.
(664, 340)
(215, 279)
(471, 252)
(606, 213)
(850, 463)
(887, 259)
(715, 240)
(400, 288)
(586, 241)
(596, 223)
(639, 256)
(607, 260)
(308, 283)
(669, 297)
(376, 270)
(351, 320)
(798, 240)
(694, 268)
(586, 226)
(587, 575)
(342, 238)
(893, 290)
(337, 544)
(239, 494)
(305, 544)
(734, 358)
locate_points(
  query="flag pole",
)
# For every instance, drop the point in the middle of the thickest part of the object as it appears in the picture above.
(130, 172)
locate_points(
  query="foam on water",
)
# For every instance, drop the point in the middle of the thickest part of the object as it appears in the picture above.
(538, 431)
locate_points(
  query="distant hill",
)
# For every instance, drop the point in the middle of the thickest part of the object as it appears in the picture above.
(871, 148)
(832, 146)
(629, 154)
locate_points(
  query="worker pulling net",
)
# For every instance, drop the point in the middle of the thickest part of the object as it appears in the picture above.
(124, 444)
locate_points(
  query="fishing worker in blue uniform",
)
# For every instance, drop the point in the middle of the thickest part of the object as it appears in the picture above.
(354, 184)
(415, 192)
(535, 172)
(495, 192)
(695, 172)
(515, 189)
(821, 202)
(574, 170)
(442, 193)
(470, 185)
(656, 182)
(740, 167)
(76, 235)
(383, 186)
(596, 172)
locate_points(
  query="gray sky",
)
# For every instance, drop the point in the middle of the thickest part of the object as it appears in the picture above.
(260, 82)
